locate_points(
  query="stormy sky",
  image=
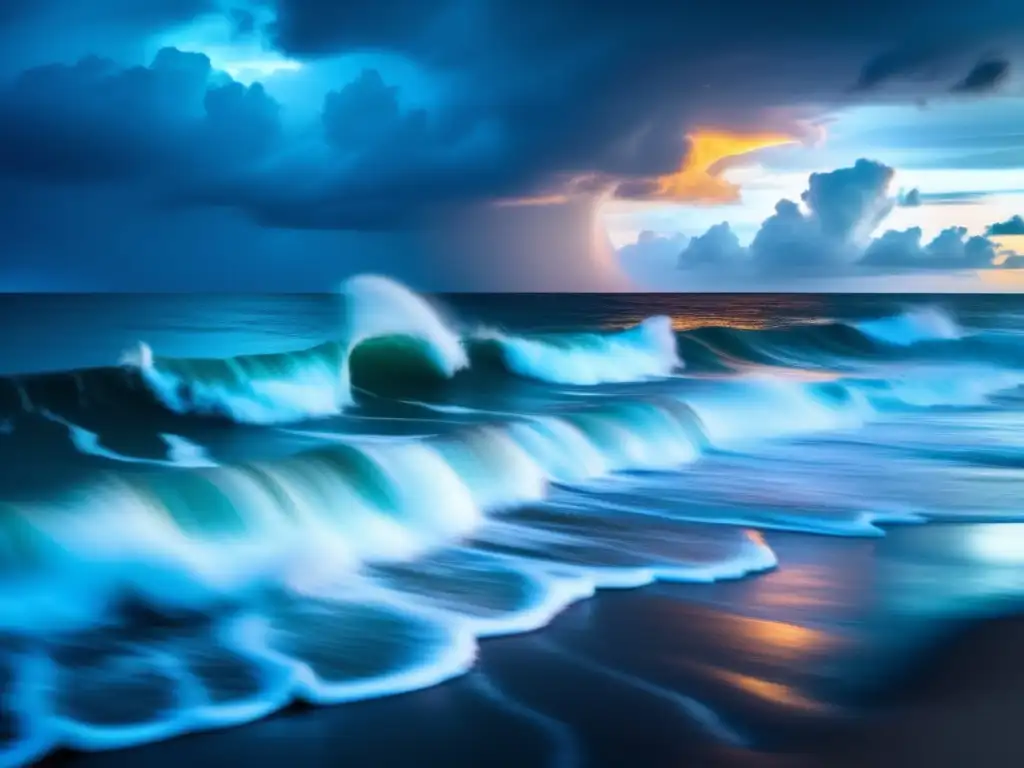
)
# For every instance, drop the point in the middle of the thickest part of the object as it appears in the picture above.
(259, 145)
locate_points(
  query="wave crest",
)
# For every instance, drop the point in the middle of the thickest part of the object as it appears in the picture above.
(647, 350)
(384, 321)
(913, 326)
(393, 341)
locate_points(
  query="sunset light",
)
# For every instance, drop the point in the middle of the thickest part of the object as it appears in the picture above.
(701, 178)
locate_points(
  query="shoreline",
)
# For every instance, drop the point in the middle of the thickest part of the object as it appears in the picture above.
(663, 675)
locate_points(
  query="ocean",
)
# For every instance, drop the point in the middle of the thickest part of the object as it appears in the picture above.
(751, 509)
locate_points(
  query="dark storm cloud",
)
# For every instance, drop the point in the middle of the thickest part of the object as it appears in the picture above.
(930, 64)
(610, 87)
(537, 93)
(244, 21)
(535, 98)
(366, 112)
(1012, 226)
(175, 119)
(893, 64)
(126, 13)
(39, 32)
(985, 76)
(15, 10)
(331, 25)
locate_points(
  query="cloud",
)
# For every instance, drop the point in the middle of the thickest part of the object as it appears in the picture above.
(175, 120)
(892, 64)
(40, 32)
(717, 247)
(709, 154)
(954, 198)
(651, 242)
(652, 256)
(564, 87)
(792, 241)
(911, 199)
(929, 63)
(842, 209)
(526, 98)
(1012, 226)
(365, 112)
(533, 95)
(243, 21)
(951, 249)
(127, 15)
(830, 236)
(985, 76)
(373, 165)
(849, 203)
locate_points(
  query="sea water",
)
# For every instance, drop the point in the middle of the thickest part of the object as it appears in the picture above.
(213, 506)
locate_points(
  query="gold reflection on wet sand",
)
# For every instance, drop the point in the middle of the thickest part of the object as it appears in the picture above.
(764, 641)
(766, 690)
(804, 587)
(781, 640)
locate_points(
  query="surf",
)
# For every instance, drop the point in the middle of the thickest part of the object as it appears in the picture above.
(183, 591)
(391, 342)
(394, 342)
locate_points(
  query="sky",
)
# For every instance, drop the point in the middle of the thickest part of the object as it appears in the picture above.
(512, 145)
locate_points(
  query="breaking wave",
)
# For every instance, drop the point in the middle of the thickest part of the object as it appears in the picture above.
(913, 326)
(391, 341)
(645, 351)
(182, 591)
(396, 344)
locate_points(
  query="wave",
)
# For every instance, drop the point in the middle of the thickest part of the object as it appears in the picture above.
(382, 321)
(207, 532)
(913, 326)
(181, 452)
(391, 342)
(398, 345)
(395, 344)
(213, 595)
(645, 351)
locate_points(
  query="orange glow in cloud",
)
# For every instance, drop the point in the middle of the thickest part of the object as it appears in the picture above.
(711, 152)
(1008, 243)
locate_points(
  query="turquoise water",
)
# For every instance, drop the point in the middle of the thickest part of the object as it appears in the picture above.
(214, 506)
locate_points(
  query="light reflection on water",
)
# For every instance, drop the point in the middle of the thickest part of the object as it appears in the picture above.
(771, 692)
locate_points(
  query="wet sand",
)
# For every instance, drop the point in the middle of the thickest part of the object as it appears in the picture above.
(961, 703)
(792, 668)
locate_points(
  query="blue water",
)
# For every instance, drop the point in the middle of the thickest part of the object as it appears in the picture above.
(214, 505)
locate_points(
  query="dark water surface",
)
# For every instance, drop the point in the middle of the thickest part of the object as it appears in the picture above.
(735, 519)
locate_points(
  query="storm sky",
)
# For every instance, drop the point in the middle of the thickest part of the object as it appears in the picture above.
(266, 145)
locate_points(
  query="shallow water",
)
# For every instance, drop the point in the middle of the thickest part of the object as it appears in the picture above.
(331, 499)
